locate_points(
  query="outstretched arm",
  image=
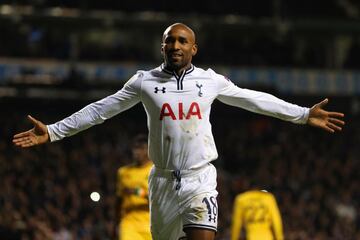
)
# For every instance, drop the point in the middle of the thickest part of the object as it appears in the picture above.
(35, 136)
(93, 114)
(329, 121)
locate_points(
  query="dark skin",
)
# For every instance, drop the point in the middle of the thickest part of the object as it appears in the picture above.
(178, 48)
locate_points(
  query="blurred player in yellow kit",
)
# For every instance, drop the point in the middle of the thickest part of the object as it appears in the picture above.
(132, 194)
(256, 212)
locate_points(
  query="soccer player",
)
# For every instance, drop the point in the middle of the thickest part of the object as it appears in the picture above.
(256, 212)
(132, 203)
(177, 97)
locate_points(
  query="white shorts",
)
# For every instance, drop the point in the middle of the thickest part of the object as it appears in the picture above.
(182, 199)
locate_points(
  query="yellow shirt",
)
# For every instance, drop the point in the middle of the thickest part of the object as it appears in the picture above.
(132, 187)
(257, 212)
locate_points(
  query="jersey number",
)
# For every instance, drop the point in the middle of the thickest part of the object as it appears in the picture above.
(212, 208)
(256, 214)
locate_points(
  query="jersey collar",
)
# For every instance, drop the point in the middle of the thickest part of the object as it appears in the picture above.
(179, 78)
(187, 71)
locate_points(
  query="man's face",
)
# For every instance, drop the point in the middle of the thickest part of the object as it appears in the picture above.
(139, 152)
(178, 47)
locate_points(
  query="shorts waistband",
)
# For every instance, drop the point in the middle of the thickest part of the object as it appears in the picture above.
(167, 173)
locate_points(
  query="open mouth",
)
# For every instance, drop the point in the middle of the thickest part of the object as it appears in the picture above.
(175, 58)
(175, 55)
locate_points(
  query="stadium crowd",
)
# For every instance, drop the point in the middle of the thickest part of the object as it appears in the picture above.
(306, 34)
(45, 190)
(27, 40)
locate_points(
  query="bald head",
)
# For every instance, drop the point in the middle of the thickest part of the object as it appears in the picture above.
(182, 27)
(178, 47)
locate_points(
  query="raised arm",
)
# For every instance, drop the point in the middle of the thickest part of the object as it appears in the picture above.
(35, 136)
(93, 114)
(267, 104)
(329, 121)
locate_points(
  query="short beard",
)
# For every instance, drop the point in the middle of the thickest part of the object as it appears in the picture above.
(174, 66)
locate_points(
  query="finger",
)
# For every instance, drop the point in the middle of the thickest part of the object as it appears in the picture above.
(33, 120)
(23, 134)
(335, 114)
(27, 138)
(25, 145)
(16, 140)
(328, 129)
(336, 121)
(24, 141)
(323, 103)
(20, 140)
(20, 144)
(333, 126)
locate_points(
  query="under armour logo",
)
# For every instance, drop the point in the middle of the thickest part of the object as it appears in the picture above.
(199, 86)
(212, 218)
(156, 90)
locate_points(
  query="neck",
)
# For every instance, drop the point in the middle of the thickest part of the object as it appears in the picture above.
(178, 71)
(142, 162)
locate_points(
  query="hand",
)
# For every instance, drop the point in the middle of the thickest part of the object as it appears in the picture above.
(329, 121)
(35, 136)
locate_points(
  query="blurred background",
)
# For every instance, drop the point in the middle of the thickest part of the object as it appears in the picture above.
(57, 56)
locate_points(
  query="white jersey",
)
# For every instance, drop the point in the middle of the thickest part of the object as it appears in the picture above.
(178, 110)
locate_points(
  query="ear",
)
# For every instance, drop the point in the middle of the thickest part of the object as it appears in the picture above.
(194, 49)
(162, 48)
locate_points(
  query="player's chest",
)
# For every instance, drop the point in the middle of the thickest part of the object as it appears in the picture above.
(174, 90)
(136, 177)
